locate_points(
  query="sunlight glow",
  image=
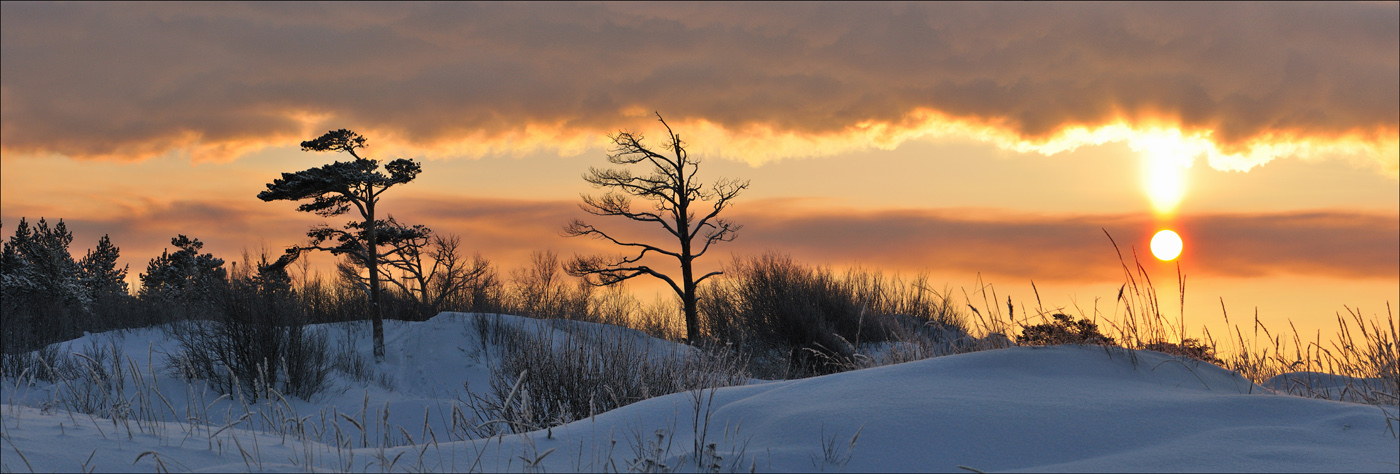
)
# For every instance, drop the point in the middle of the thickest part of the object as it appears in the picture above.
(1166, 156)
(1166, 245)
(1162, 141)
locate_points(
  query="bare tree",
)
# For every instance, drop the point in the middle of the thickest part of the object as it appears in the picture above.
(443, 274)
(333, 190)
(539, 290)
(676, 195)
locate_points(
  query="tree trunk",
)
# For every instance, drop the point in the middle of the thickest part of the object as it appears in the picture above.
(372, 262)
(692, 323)
(692, 318)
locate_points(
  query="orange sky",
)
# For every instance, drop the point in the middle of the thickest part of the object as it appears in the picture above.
(955, 139)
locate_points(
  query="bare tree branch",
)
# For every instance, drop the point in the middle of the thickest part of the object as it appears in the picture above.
(578, 228)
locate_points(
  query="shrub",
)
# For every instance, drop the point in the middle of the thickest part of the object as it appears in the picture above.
(42, 364)
(253, 337)
(542, 290)
(1063, 329)
(305, 361)
(559, 373)
(1191, 348)
(816, 317)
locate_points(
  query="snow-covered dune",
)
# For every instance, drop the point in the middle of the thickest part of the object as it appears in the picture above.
(1032, 409)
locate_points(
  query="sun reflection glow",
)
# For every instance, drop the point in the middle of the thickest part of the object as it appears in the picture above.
(1166, 156)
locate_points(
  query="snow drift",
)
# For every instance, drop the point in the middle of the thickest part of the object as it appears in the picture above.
(1063, 408)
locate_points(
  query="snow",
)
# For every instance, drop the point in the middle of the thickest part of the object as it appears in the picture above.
(1064, 408)
(1333, 387)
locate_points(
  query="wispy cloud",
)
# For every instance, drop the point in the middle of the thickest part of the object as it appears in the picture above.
(1045, 248)
(1075, 247)
(1247, 82)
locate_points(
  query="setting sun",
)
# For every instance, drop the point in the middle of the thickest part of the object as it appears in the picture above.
(1166, 245)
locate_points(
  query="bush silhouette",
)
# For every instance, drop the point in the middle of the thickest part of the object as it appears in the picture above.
(1188, 348)
(1063, 329)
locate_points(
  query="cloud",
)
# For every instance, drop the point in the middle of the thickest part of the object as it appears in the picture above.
(1246, 83)
(1039, 247)
(1075, 247)
(1304, 243)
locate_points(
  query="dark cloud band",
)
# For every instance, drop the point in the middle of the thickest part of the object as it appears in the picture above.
(1067, 248)
(1075, 248)
(216, 80)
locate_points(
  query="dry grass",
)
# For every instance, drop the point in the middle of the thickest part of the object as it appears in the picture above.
(1359, 365)
(559, 373)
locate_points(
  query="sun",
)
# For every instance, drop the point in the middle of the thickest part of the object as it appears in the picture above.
(1166, 245)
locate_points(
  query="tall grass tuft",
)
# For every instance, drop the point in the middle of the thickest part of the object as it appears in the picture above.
(816, 319)
(558, 373)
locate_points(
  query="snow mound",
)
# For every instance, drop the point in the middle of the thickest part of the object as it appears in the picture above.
(1335, 387)
(1063, 408)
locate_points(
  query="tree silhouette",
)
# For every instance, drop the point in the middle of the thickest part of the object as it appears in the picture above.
(37, 263)
(431, 284)
(101, 276)
(676, 195)
(336, 188)
(42, 297)
(185, 276)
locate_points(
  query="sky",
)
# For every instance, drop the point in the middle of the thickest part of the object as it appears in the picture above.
(997, 143)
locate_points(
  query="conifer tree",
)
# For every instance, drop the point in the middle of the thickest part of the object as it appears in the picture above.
(336, 188)
(100, 274)
(14, 268)
(185, 276)
(37, 262)
(41, 292)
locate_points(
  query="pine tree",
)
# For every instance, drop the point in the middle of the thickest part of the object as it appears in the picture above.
(100, 275)
(14, 268)
(42, 291)
(185, 276)
(333, 190)
(37, 263)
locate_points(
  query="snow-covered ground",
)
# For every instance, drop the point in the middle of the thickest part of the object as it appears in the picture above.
(1030, 409)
